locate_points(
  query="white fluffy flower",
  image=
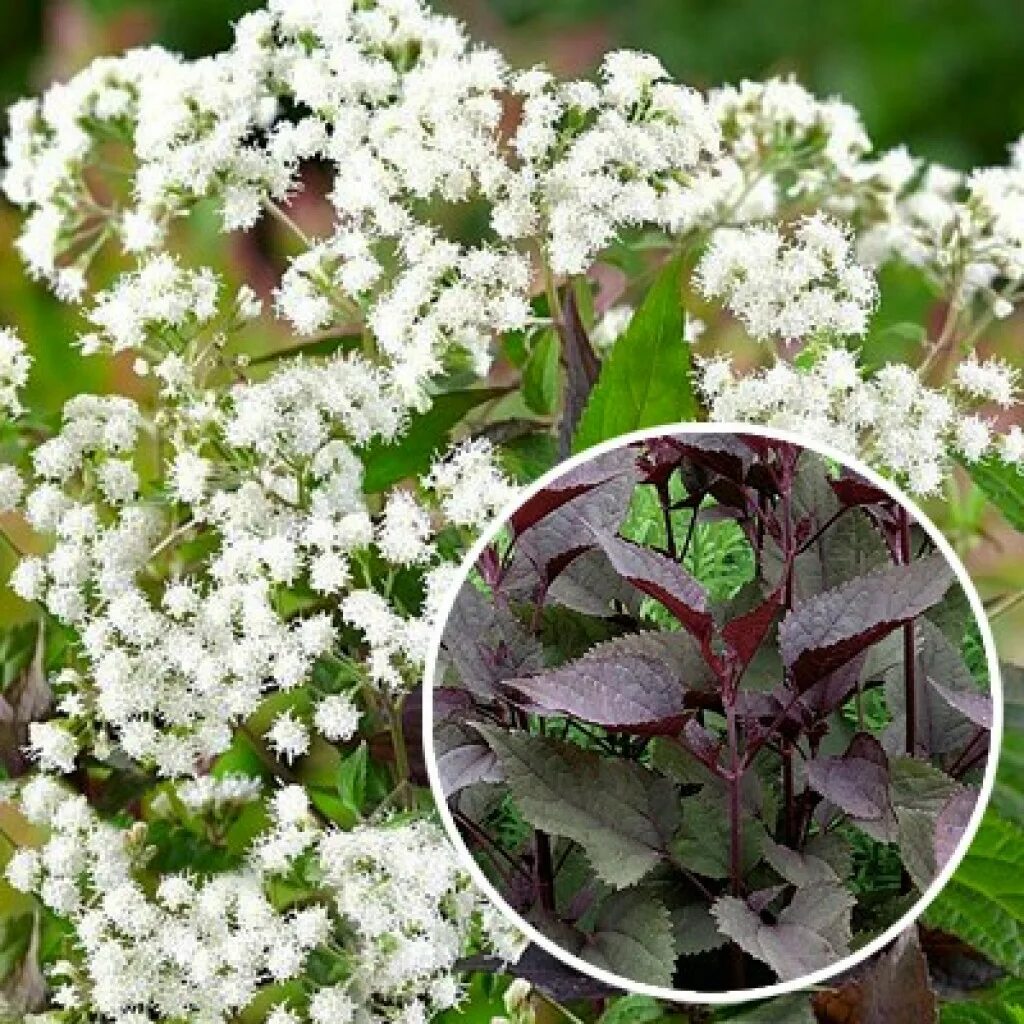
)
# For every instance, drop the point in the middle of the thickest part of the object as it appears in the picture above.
(796, 287)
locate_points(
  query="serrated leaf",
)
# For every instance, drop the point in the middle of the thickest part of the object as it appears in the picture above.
(618, 811)
(425, 436)
(632, 1009)
(465, 762)
(351, 778)
(696, 931)
(540, 375)
(645, 381)
(485, 643)
(1003, 485)
(633, 938)
(621, 462)
(799, 868)
(952, 823)
(857, 781)
(661, 578)
(629, 692)
(809, 934)
(941, 729)
(702, 843)
(678, 651)
(983, 903)
(545, 550)
(830, 628)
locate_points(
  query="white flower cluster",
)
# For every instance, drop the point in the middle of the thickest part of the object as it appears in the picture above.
(14, 367)
(202, 948)
(898, 424)
(597, 158)
(800, 286)
(965, 230)
(271, 473)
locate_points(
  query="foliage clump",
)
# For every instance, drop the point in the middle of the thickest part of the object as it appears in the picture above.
(721, 791)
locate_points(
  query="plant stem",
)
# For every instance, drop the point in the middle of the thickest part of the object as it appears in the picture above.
(544, 870)
(909, 649)
(401, 752)
(666, 512)
(787, 791)
(735, 820)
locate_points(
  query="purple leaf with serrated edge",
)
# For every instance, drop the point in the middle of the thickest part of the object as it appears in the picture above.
(832, 692)
(726, 454)
(630, 692)
(467, 765)
(577, 481)
(485, 643)
(551, 545)
(854, 490)
(828, 629)
(858, 781)
(661, 578)
(971, 704)
(702, 744)
(746, 633)
(811, 933)
(952, 823)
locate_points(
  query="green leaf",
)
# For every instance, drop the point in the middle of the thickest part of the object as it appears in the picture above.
(645, 381)
(426, 434)
(352, 778)
(632, 937)
(319, 349)
(702, 844)
(633, 1009)
(983, 903)
(1002, 484)
(540, 375)
(618, 811)
(794, 1008)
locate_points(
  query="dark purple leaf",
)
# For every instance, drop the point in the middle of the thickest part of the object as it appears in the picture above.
(661, 578)
(485, 643)
(619, 812)
(896, 988)
(577, 481)
(465, 762)
(951, 824)
(704, 745)
(582, 368)
(630, 692)
(546, 973)
(811, 933)
(829, 629)
(590, 586)
(746, 633)
(854, 490)
(971, 704)
(729, 455)
(552, 544)
(857, 782)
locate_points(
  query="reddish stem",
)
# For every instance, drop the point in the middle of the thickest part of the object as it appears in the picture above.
(909, 648)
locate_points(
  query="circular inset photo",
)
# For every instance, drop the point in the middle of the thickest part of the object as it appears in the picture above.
(713, 715)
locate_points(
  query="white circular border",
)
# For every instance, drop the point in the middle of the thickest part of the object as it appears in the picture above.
(937, 884)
